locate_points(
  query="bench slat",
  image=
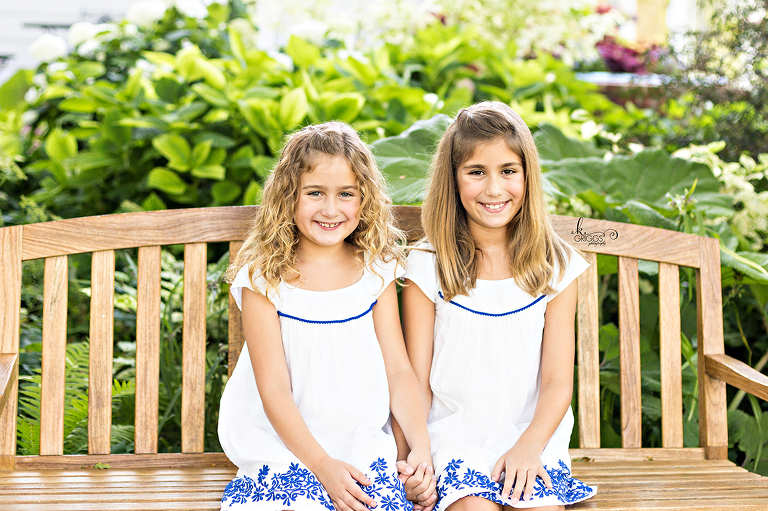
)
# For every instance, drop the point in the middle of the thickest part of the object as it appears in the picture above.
(147, 350)
(193, 360)
(101, 345)
(140, 229)
(713, 420)
(118, 462)
(10, 303)
(588, 356)
(54, 353)
(670, 354)
(629, 354)
(636, 241)
(236, 335)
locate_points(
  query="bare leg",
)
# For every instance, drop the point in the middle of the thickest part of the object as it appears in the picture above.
(474, 504)
(544, 508)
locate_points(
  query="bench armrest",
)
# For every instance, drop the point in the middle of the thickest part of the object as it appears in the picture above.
(737, 373)
(8, 375)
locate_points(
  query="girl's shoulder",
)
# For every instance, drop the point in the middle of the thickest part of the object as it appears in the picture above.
(421, 269)
(575, 265)
(380, 273)
(256, 283)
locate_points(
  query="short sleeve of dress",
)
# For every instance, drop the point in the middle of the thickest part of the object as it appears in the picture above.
(421, 270)
(243, 281)
(576, 266)
(382, 275)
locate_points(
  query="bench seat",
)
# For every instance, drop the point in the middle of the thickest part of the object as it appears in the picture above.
(710, 485)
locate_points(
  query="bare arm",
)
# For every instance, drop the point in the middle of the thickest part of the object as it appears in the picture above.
(406, 402)
(418, 316)
(418, 330)
(262, 334)
(523, 463)
(418, 326)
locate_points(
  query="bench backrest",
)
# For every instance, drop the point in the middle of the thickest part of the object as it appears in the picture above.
(195, 228)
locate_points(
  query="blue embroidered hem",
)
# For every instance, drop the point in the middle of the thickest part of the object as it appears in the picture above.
(298, 484)
(491, 315)
(328, 322)
(468, 482)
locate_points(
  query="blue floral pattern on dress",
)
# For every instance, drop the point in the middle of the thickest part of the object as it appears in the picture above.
(300, 483)
(567, 489)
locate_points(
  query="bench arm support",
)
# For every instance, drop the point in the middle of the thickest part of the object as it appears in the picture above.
(8, 374)
(737, 373)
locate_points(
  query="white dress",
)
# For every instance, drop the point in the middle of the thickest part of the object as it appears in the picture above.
(339, 384)
(485, 383)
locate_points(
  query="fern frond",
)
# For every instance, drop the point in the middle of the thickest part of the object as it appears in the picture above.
(27, 436)
(122, 434)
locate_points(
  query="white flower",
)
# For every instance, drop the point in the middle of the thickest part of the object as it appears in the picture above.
(29, 116)
(282, 58)
(57, 66)
(145, 12)
(313, 31)
(756, 17)
(130, 29)
(107, 31)
(191, 8)
(40, 80)
(31, 95)
(431, 98)
(48, 47)
(590, 129)
(146, 67)
(88, 48)
(80, 32)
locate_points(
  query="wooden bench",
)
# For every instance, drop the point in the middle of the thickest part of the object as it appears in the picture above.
(631, 477)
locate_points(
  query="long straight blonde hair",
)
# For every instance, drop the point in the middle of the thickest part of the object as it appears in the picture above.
(534, 248)
(271, 245)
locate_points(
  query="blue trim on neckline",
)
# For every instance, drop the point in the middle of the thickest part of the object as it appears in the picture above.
(331, 322)
(537, 300)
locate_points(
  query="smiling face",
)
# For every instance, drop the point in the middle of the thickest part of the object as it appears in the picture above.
(327, 208)
(491, 184)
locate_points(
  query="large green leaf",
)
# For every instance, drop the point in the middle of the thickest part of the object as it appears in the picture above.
(60, 145)
(216, 172)
(12, 92)
(211, 95)
(81, 105)
(553, 145)
(176, 150)
(343, 107)
(225, 192)
(405, 158)
(752, 265)
(166, 180)
(293, 109)
(647, 176)
(201, 152)
(303, 53)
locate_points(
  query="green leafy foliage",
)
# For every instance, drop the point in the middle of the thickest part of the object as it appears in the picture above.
(405, 158)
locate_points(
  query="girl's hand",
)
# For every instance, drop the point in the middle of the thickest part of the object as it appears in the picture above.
(522, 465)
(421, 484)
(340, 481)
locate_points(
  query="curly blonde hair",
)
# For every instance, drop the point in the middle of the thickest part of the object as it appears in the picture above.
(533, 246)
(271, 244)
